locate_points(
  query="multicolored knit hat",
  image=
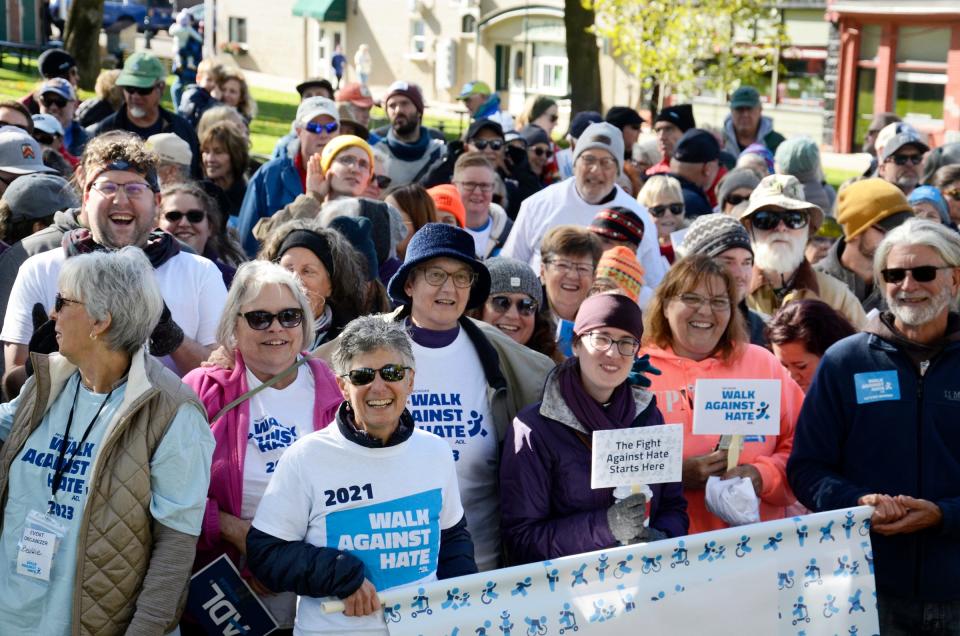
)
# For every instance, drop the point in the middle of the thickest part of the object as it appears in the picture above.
(620, 265)
(618, 224)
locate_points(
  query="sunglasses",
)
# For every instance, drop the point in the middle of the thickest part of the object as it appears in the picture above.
(136, 90)
(260, 320)
(542, 151)
(736, 199)
(902, 160)
(60, 301)
(953, 194)
(42, 138)
(383, 181)
(366, 375)
(502, 304)
(660, 210)
(49, 100)
(921, 273)
(193, 216)
(769, 220)
(554, 118)
(483, 144)
(318, 128)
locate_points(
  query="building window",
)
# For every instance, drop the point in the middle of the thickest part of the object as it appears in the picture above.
(802, 83)
(468, 25)
(238, 30)
(919, 96)
(418, 38)
(501, 54)
(552, 74)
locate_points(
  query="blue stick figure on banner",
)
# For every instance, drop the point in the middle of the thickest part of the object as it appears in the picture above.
(521, 587)
(553, 576)
(864, 528)
(855, 604)
(848, 524)
(802, 534)
(505, 625)
(762, 412)
(627, 599)
(709, 550)
(785, 579)
(391, 613)
(743, 547)
(773, 543)
(800, 613)
(650, 564)
(826, 532)
(602, 612)
(868, 554)
(421, 604)
(602, 566)
(578, 577)
(476, 423)
(680, 555)
(830, 608)
(536, 626)
(622, 567)
(853, 631)
(482, 630)
(812, 574)
(568, 620)
(487, 596)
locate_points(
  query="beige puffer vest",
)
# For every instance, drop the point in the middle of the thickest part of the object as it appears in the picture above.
(115, 541)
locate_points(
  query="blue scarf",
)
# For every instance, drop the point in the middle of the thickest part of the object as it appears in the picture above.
(408, 152)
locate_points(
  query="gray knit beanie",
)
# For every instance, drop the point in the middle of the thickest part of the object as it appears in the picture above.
(734, 180)
(604, 136)
(714, 234)
(799, 157)
(508, 275)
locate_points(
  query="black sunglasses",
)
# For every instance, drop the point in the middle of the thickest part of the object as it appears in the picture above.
(736, 199)
(483, 144)
(502, 304)
(136, 90)
(383, 181)
(365, 375)
(902, 160)
(193, 216)
(260, 320)
(921, 273)
(769, 220)
(48, 100)
(542, 151)
(660, 210)
(60, 301)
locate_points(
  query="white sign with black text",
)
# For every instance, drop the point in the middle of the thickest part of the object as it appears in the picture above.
(634, 456)
(736, 407)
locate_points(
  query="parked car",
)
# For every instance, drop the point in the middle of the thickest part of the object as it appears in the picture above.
(148, 15)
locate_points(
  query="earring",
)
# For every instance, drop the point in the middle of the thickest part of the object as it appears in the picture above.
(93, 336)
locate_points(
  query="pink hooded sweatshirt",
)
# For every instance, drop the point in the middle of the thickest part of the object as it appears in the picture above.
(768, 454)
(217, 387)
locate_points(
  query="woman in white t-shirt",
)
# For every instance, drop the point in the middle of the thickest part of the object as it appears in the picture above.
(367, 504)
(269, 398)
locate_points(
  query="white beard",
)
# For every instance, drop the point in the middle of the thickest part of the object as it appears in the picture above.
(916, 315)
(779, 259)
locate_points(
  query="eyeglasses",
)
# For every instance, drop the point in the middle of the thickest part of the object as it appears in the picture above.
(736, 199)
(42, 138)
(133, 189)
(542, 151)
(502, 304)
(568, 267)
(554, 118)
(470, 186)
(921, 273)
(260, 320)
(953, 194)
(366, 375)
(317, 128)
(902, 160)
(193, 216)
(437, 277)
(696, 301)
(660, 210)
(383, 181)
(769, 220)
(60, 301)
(136, 90)
(605, 163)
(483, 144)
(353, 162)
(627, 347)
(50, 99)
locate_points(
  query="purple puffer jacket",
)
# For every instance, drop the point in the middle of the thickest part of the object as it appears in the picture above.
(548, 509)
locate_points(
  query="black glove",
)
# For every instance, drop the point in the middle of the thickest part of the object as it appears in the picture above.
(44, 338)
(639, 371)
(167, 336)
(625, 518)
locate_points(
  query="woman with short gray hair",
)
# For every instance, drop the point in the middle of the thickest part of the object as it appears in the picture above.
(272, 395)
(101, 401)
(373, 461)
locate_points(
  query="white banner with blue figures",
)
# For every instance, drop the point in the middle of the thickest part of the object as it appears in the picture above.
(801, 576)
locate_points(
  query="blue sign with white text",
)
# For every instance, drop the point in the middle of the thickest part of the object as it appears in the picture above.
(876, 386)
(222, 602)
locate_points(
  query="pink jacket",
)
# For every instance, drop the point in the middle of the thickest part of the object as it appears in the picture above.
(216, 388)
(768, 454)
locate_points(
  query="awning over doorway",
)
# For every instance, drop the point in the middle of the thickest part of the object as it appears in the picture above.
(322, 10)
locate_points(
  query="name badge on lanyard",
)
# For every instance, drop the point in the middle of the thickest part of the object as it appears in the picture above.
(38, 544)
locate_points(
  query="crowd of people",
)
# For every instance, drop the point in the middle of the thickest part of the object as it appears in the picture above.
(205, 355)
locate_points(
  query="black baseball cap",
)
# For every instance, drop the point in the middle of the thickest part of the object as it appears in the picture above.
(680, 116)
(697, 146)
(483, 124)
(55, 63)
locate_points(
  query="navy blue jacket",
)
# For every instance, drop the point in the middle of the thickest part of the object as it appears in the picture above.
(871, 423)
(695, 202)
(271, 188)
(309, 570)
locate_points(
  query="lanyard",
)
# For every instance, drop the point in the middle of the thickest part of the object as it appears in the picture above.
(61, 466)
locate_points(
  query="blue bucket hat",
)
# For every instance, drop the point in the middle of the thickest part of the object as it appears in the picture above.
(438, 240)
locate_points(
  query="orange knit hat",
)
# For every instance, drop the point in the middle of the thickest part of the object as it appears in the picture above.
(447, 199)
(620, 265)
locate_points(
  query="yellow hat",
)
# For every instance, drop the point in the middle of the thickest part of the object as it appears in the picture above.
(868, 202)
(342, 142)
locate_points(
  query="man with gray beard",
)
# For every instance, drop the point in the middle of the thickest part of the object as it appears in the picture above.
(780, 223)
(878, 428)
